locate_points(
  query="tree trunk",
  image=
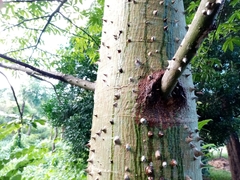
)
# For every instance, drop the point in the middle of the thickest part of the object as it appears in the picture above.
(137, 134)
(233, 148)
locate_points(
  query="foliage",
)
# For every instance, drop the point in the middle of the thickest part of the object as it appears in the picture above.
(72, 107)
(216, 73)
(219, 174)
(34, 94)
(37, 162)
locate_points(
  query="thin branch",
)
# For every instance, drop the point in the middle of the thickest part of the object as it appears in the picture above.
(41, 79)
(15, 97)
(79, 28)
(29, 28)
(25, 20)
(46, 25)
(201, 25)
(22, 49)
(30, 1)
(63, 30)
(55, 75)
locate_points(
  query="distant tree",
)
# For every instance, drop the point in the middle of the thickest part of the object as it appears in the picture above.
(71, 107)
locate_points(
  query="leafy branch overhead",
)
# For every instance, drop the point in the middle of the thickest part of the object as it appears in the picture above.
(34, 24)
(202, 24)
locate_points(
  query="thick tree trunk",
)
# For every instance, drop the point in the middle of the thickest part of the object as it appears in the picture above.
(233, 148)
(136, 134)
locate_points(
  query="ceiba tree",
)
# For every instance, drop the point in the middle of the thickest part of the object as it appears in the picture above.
(145, 124)
(145, 120)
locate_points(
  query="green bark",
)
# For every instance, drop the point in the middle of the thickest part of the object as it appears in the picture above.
(137, 134)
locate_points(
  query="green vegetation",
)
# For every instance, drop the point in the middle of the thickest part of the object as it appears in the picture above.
(216, 174)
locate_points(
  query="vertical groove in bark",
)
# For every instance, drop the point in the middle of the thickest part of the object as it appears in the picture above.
(135, 41)
(233, 148)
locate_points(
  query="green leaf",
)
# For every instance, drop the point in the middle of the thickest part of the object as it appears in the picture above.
(203, 123)
(208, 146)
(6, 129)
(11, 173)
(228, 44)
(17, 177)
(40, 121)
(236, 40)
(20, 165)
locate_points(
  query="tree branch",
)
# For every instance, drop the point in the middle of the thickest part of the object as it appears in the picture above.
(41, 79)
(30, 1)
(79, 28)
(63, 30)
(23, 21)
(55, 75)
(46, 25)
(15, 97)
(202, 24)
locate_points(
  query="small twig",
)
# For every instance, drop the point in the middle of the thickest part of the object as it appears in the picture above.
(30, 1)
(41, 79)
(63, 30)
(15, 97)
(46, 25)
(25, 20)
(17, 50)
(79, 28)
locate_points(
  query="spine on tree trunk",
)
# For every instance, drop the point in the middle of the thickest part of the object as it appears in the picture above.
(137, 134)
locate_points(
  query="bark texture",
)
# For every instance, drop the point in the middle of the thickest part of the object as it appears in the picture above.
(137, 134)
(233, 148)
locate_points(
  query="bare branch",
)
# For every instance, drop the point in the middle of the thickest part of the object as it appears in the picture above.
(15, 97)
(25, 20)
(30, 1)
(63, 30)
(46, 25)
(201, 25)
(41, 79)
(55, 75)
(22, 49)
(79, 28)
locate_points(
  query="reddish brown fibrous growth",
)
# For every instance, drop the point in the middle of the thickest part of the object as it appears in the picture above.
(152, 106)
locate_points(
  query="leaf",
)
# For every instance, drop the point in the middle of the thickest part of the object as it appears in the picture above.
(40, 121)
(11, 173)
(17, 177)
(6, 129)
(208, 146)
(22, 164)
(228, 44)
(236, 40)
(203, 123)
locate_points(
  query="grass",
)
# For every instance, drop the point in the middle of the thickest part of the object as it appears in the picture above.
(217, 174)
